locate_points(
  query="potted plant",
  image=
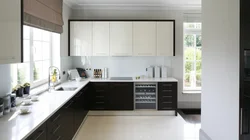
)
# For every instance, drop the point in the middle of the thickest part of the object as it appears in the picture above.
(19, 91)
(26, 88)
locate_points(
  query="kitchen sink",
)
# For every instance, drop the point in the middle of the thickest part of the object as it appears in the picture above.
(66, 89)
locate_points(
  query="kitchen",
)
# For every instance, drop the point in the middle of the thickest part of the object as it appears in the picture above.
(132, 63)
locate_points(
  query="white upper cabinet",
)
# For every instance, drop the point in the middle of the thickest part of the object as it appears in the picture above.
(100, 38)
(144, 38)
(81, 38)
(121, 43)
(10, 31)
(165, 38)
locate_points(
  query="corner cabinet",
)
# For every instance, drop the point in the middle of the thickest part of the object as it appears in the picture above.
(11, 31)
(122, 38)
(81, 38)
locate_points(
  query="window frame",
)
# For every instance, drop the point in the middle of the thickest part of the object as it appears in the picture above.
(194, 32)
(31, 61)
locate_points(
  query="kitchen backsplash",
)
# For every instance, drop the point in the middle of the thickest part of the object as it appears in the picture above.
(122, 66)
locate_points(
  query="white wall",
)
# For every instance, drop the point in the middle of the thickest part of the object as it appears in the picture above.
(123, 66)
(220, 79)
(178, 15)
(66, 62)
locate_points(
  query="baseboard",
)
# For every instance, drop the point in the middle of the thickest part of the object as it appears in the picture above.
(131, 113)
(204, 136)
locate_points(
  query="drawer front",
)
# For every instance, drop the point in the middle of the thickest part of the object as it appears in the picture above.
(166, 98)
(39, 134)
(54, 121)
(167, 85)
(166, 106)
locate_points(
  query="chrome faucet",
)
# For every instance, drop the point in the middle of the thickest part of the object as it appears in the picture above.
(49, 80)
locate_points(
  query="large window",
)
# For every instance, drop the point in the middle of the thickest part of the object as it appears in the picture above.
(192, 56)
(37, 52)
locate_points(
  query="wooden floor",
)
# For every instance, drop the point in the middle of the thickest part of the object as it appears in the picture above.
(138, 128)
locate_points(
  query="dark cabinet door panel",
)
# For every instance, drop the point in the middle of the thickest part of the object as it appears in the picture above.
(39, 134)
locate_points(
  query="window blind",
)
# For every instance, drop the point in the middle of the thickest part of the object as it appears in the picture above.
(44, 14)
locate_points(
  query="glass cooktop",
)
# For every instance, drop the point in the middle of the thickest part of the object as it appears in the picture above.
(121, 78)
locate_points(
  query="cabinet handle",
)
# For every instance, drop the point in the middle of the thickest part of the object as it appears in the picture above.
(71, 102)
(40, 133)
(58, 116)
(101, 90)
(79, 94)
(167, 102)
(167, 85)
(167, 90)
(99, 96)
(56, 129)
(58, 138)
(167, 96)
(99, 102)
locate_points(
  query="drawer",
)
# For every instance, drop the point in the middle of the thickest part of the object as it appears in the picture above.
(166, 92)
(167, 85)
(39, 134)
(166, 99)
(55, 119)
(164, 105)
(54, 133)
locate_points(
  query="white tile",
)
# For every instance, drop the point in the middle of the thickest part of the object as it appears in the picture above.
(137, 128)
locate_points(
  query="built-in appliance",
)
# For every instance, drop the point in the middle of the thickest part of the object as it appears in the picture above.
(121, 78)
(145, 95)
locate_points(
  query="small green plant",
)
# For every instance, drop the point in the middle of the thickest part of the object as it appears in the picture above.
(26, 85)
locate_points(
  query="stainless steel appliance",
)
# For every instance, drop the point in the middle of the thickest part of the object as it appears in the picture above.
(157, 72)
(164, 72)
(6, 104)
(121, 78)
(145, 96)
(150, 72)
(105, 73)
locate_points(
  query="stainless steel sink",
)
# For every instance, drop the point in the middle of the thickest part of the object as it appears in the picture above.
(66, 89)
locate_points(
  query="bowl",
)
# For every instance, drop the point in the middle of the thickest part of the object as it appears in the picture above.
(27, 101)
(34, 98)
(24, 109)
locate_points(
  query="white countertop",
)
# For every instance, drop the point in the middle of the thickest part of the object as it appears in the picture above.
(170, 79)
(16, 127)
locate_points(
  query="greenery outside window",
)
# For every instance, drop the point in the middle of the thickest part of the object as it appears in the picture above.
(192, 56)
(37, 52)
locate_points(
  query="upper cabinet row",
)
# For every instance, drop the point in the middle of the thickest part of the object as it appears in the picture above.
(121, 38)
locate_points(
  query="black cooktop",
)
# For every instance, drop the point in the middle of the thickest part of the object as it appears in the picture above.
(121, 78)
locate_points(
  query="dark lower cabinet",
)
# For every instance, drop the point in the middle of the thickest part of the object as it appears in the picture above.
(111, 96)
(65, 122)
(167, 96)
(39, 134)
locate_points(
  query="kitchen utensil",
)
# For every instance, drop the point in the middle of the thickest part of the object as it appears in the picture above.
(27, 102)
(13, 102)
(150, 72)
(157, 72)
(6, 104)
(24, 109)
(34, 98)
(164, 72)
(105, 73)
(73, 74)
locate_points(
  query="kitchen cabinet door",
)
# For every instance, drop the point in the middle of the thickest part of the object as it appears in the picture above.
(100, 38)
(10, 31)
(165, 38)
(144, 38)
(80, 38)
(121, 43)
(121, 96)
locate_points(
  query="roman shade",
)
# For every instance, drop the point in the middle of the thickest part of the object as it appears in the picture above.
(44, 14)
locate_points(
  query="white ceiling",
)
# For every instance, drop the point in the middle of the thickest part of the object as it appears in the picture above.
(133, 3)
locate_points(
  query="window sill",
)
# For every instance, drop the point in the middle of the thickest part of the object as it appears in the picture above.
(191, 92)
